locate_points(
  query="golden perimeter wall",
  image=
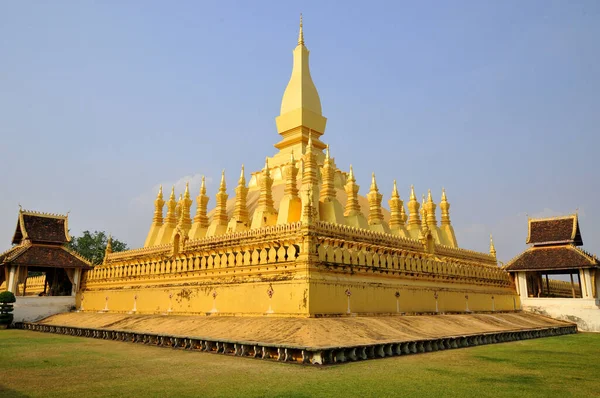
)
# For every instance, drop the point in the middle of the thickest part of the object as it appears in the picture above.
(298, 270)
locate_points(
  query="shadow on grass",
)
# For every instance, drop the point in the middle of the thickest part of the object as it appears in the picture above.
(8, 393)
(520, 380)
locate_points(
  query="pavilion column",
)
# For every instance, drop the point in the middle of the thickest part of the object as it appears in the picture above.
(12, 279)
(75, 284)
(586, 283)
(522, 282)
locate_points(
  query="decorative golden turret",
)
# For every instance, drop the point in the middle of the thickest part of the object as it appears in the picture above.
(185, 222)
(265, 213)
(170, 222)
(200, 224)
(157, 220)
(291, 174)
(447, 231)
(218, 225)
(351, 188)
(414, 222)
(430, 207)
(178, 207)
(158, 208)
(290, 207)
(354, 216)
(376, 222)
(310, 174)
(171, 218)
(202, 203)
(108, 249)
(328, 173)
(240, 221)
(330, 209)
(301, 111)
(396, 209)
(445, 208)
(309, 213)
(492, 248)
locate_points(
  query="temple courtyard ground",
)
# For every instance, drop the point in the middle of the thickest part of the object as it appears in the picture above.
(38, 364)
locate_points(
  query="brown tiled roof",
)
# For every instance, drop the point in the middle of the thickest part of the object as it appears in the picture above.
(545, 231)
(44, 256)
(551, 258)
(41, 227)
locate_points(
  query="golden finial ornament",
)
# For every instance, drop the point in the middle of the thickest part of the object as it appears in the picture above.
(492, 248)
(301, 33)
(414, 220)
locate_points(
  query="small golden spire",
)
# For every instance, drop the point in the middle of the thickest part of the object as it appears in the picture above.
(395, 193)
(373, 183)
(172, 197)
(492, 248)
(301, 33)
(445, 208)
(397, 214)
(413, 209)
(374, 198)
(201, 204)
(187, 190)
(267, 165)
(222, 186)
(352, 206)
(327, 152)
(412, 193)
(242, 180)
(158, 208)
(203, 186)
(429, 198)
(292, 159)
(160, 193)
(309, 146)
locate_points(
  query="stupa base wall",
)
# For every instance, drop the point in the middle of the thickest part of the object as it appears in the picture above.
(308, 341)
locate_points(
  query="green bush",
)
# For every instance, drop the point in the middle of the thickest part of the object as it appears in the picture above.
(6, 319)
(7, 297)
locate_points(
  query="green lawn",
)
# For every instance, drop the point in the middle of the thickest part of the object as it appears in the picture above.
(37, 364)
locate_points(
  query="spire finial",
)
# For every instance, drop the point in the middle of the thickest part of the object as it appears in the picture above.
(412, 193)
(492, 248)
(187, 190)
(310, 143)
(444, 195)
(351, 174)
(395, 190)
(267, 164)
(301, 33)
(373, 182)
(203, 186)
(327, 152)
(429, 198)
(222, 186)
(172, 197)
(292, 160)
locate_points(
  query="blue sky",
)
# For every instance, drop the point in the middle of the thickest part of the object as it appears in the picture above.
(498, 102)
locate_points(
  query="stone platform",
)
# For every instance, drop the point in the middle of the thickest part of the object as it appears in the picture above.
(308, 340)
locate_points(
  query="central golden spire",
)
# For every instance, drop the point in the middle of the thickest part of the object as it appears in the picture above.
(300, 111)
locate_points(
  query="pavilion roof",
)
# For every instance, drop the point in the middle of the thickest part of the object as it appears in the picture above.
(41, 228)
(541, 258)
(37, 255)
(556, 230)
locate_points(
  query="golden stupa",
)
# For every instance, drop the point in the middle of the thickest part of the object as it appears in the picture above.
(299, 240)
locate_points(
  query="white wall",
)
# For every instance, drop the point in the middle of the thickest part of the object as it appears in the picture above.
(584, 312)
(34, 308)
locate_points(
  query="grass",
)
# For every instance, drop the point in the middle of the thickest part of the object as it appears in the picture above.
(36, 364)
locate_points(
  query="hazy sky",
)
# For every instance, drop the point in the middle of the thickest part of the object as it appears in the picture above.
(497, 101)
